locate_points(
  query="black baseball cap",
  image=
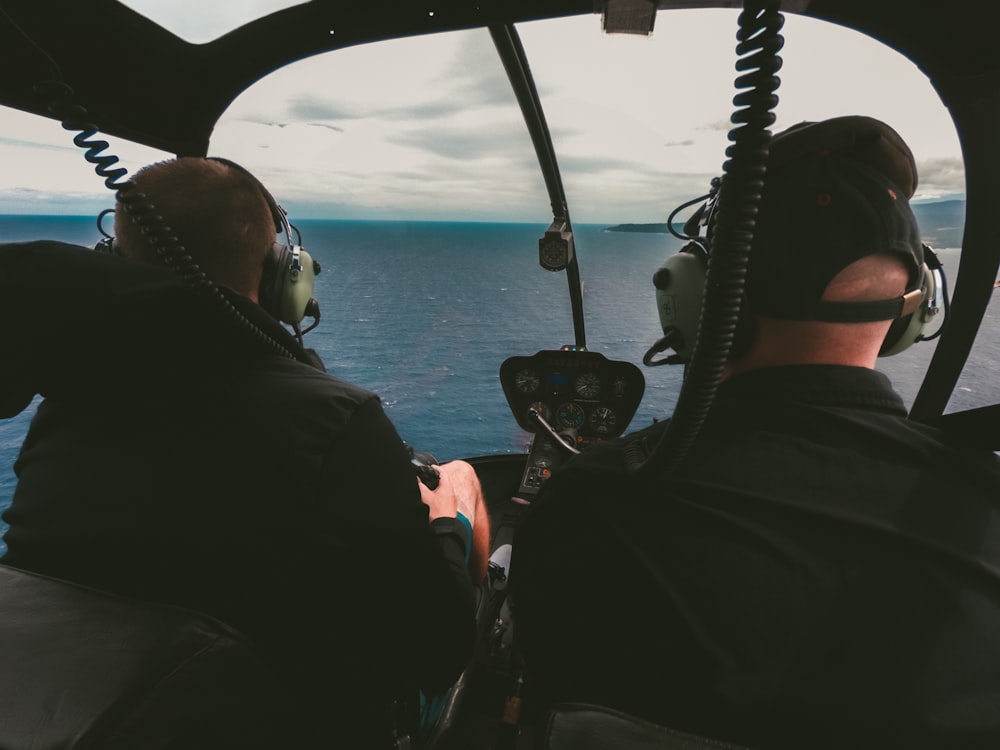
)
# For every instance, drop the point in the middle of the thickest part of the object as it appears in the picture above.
(834, 192)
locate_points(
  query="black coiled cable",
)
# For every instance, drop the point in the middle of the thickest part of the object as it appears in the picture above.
(140, 209)
(730, 232)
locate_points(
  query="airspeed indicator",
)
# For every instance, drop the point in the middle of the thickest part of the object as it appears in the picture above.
(587, 385)
(526, 381)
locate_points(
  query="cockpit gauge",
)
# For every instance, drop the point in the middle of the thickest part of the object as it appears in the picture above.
(570, 415)
(543, 461)
(603, 420)
(527, 381)
(565, 386)
(552, 254)
(587, 385)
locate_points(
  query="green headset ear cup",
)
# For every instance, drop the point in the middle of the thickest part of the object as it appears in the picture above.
(287, 284)
(680, 290)
(680, 287)
(906, 331)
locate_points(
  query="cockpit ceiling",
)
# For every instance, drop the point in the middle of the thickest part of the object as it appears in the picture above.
(135, 75)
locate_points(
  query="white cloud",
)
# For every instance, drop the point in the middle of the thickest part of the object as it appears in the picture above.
(428, 127)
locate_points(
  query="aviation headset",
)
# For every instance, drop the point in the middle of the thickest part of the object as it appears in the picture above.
(286, 286)
(680, 281)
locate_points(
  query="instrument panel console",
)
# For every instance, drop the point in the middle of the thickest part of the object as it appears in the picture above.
(583, 395)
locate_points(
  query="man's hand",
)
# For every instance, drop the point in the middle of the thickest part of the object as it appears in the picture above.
(460, 492)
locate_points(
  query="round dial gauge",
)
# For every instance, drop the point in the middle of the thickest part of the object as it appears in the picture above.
(526, 381)
(587, 385)
(553, 254)
(603, 419)
(570, 415)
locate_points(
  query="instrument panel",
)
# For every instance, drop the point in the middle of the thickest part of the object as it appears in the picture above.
(582, 391)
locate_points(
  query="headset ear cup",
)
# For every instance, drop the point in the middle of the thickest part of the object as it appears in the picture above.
(297, 287)
(287, 283)
(680, 287)
(906, 331)
(895, 341)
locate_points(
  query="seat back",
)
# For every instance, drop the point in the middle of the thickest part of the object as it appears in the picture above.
(580, 726)
(83, 669)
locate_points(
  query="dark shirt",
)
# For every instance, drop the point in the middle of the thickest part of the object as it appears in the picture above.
(177, 459)
(821, 572)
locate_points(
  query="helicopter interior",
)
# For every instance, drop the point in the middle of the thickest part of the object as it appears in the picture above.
(559, 394)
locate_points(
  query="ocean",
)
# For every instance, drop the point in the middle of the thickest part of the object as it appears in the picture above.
(424, 313)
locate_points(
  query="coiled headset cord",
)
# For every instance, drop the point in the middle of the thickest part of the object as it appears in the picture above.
(141, 211)
(74, 117)
(731, 228)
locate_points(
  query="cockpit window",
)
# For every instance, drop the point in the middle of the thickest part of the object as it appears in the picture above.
(423, 129)
(407, 168)
(45, 175)
(641, 125)
(407, 164)
(199, 22)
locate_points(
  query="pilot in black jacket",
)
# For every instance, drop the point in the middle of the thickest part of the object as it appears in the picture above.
(180, 456)
(820, 571)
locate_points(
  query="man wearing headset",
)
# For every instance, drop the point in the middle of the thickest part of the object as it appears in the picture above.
(199, 457)
(820, 571)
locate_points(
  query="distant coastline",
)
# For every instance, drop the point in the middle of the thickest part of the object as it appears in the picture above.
(645, 228)
(941, 223)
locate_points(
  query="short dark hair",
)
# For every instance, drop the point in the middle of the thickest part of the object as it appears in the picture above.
(218, 214)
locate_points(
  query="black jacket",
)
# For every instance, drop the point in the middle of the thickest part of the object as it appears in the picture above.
(821, 572)
(178, 457)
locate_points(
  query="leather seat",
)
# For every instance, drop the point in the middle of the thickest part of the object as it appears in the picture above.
(81, 669)
(581, 726)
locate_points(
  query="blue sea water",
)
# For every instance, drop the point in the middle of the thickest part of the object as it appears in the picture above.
(424, 314)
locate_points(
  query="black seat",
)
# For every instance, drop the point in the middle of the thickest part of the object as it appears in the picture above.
(82, 669)
(581, 726)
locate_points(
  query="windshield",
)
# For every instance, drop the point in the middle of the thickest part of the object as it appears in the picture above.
(407, 169)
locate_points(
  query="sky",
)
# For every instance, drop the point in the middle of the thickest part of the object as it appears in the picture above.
(428, 128)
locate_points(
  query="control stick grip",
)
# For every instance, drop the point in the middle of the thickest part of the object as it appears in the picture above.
(423, 464)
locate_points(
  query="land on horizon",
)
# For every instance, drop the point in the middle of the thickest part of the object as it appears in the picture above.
(941, 223)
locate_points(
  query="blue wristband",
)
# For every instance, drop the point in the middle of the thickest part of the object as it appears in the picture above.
(468, 528)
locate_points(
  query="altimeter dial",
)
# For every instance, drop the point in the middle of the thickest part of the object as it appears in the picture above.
(587, 385)
(603, 419)
(527, 381)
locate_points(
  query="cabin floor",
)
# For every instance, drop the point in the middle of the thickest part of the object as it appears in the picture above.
(485, 710)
